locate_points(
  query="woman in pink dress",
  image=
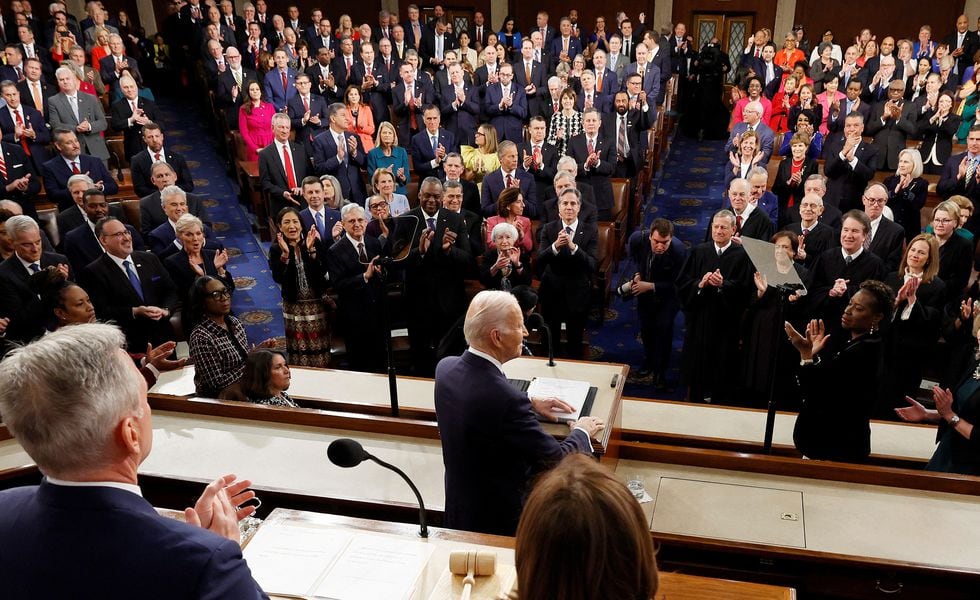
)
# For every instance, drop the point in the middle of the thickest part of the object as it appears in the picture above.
(360, 121)
(510, 209)
(828, 96)
(255, 121)
(754, 89)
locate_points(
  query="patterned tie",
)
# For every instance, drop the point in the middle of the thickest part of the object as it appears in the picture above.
(3, 167)
(157, 158)
(568, 230)
(361, 254)
(971, 170)
(738, 224)
(134, 279)
(536, 156)
(720, 251)
(319, 224)
(590, 146)
(431, 223)
(23, 138)
(348, 62)
(848, 259)
(621, 139)
(509, 181)
(412, 119)
(74, 107)
(285, 84)
(435, 143)
(306, 104)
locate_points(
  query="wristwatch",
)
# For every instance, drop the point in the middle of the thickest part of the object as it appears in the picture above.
(954, 421)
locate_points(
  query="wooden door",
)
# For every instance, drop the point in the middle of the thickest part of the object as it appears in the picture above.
(732, 32)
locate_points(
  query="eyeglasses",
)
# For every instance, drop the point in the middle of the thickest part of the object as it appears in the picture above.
(943, 221)
(480, 133)
(880, 201)
(118, 235)
(376, 206)
(219, 294)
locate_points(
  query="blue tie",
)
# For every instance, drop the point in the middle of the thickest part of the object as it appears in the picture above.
(431, 222)
(35, 267)
(134, 278)
(319, 224)
(435, 144)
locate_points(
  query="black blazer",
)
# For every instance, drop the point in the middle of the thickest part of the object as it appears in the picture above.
(829, 267)
(285, 274)
(82, 247)
(32, 118)
(183, 275)
(119, 114)
(141, 164)
(939, 136)
(819, 239)
(845, 184)
(19, 165)
(272, 175)
(222, 94)
(152, 215)
(493, 281)
(890, 136)
(114, 297)
(437, 277)
(359, 301)
(18, 303)
(565, 277)
(544, 176)
(889, 243)
(955, 264)
(784, 190)
(598, 176)
(47, 90)
(907, 203)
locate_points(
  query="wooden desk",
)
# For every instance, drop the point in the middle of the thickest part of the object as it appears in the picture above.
(350, 391)
(673, 586)
(743, 429)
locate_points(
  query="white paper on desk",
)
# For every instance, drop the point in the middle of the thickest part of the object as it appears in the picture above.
(175, 383)
(287, 559)
(572, 391)
(375, 567)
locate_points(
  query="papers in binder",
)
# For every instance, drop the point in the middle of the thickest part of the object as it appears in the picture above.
(571, 391)
(319, 562)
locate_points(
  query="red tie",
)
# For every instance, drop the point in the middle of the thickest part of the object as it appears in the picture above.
(556, 106)
(287, 164)
(306, 104)
(23, 138)
(738, 224)
(156, 157)
(348, 67)
(536, 157)
(510, 180)
(591, 148)
(284, 84)
(74, 168)
(3, 167)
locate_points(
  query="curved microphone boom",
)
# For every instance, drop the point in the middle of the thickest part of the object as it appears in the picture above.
(347, 453)
(536, 321)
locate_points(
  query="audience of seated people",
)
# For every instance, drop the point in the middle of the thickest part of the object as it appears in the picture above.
(383, 148)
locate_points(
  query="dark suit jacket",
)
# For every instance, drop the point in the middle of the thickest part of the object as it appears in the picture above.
(820, 238)
(651, 80)
(120, 112)
(403, 111)
(222, 94)
(436, 278)
(19, 165)
(273, 90)
(183, 276)
(306, 133)
(492, 445)
(586, 212)
(539, 77)
(114, 296)
(971, 43)
(161, 241)
(272, 174)
(574, 49)
(829, 267)
(598, 176)
(72, 528)
(494, 183)
(889, 243)
(152, 215)
(891, 135)
(331, 217)
(784, 190)
(141, 164)
(82, 247)
(56, 173)
(460, 119)
(600, 102)
(18, 303)
(427, 49)
(471, 196)
(544, 176)
(347, 172)
(358, 300)
(72, 217)
(32, 118)
(950, 185)
(837, 124)
(566, 277)
(509, 122)
(47, 90)
(845, 184)
(420, 148)
(107, 69)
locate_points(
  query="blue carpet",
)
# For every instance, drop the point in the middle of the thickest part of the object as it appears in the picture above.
(688, 189)
(257, 300)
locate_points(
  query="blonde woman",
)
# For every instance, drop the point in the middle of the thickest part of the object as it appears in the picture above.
(482, 159)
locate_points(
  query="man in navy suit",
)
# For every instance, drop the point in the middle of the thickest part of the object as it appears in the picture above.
(535, 86)
(163, 239)
(508, 175)
(566, 261)
(435, 43)
(650, 73)
(318, 214)
(339, 153)
(596, 158)
(627, 129)
(607, 82)
(565, 47)
(769, 72)
(460, 106)
(273, 87)
(852, 103)
(80, 244)
(21, 184)
(375, 87)
(414, 27)
(153, 152)
(850, 164)
(538, 157)
(752, 115)
(430, 146)
(139, 296)
(658, 261)
(129, 114)
(89, 505)
(162, 176)
(18, 302)
(492, 443)
(342, 65)
(115, 65)
(408, 98)
(506, 105)
(70, 161)
(307, 113)
(24, 125)
(588, 96)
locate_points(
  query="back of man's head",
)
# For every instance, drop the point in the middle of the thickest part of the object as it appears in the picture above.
(487, 311)
(63, 396)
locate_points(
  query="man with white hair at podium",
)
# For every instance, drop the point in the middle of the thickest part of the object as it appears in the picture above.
(77, 404)
(492, 443)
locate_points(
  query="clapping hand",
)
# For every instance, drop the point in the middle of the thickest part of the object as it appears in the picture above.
(220, 507)
(311, 237)
(158, 357)
(908, 290)
(839, 289)
(816, 338)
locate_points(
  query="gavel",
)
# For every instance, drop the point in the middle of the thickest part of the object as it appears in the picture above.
(471, 564)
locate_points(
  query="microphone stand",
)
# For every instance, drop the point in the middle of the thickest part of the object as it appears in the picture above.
(784, 291)
(540, 324)
(389, 353)
(423, 527)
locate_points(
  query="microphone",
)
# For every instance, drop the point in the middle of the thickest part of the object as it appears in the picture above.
(347, 453)
(536, 321)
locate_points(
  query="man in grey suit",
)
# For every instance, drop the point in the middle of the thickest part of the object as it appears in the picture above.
(752, 115)
(615, 61)
(99, 24)
(81, 113)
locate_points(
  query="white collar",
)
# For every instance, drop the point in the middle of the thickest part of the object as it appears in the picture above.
(749, 207)
(486, 356)
(573, 225)
(723, 248)
(426, 216)
(853, 256)
(119, 261)
(352, 241)
(129, 487)
(27, 265)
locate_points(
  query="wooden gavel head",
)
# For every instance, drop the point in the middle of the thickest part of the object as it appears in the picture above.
(478, 563)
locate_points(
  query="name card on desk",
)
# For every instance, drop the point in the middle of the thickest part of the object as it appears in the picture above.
(175, 383)
(327, 562)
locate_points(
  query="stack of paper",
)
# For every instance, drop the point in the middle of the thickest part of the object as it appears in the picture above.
(571, 391)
